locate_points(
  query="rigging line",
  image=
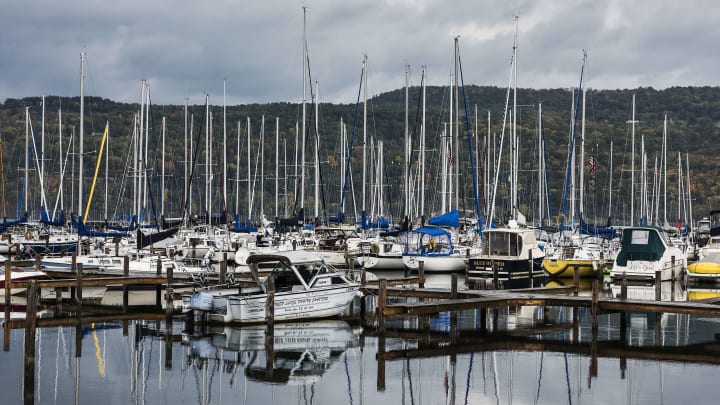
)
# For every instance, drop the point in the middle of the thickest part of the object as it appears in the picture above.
(469, 377)
(470, 143)
(349, 151)
(192, 170)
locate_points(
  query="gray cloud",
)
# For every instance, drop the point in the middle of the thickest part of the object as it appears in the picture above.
(186, 48)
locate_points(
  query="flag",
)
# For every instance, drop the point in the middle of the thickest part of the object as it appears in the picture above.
(591, 162)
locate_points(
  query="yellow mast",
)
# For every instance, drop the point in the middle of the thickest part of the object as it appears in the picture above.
(97, 168)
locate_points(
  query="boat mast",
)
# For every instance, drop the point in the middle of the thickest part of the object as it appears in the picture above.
(224, 185)
(302, 153)
(610, 172)
(632, 165)
(317, 152)
(364, 147)
(664, 161)
(581, 161)
(456, 172)
(62, 176)
(82, 130)
(27, 158)
(422, 147)
(162, 176)
(407, 143)
(185, 160)
(237, 172)
(249, 194)
(277, 165)
(541, 191)
(514, 138)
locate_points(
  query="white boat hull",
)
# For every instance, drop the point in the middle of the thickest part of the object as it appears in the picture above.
(435, 264)
(290, 305)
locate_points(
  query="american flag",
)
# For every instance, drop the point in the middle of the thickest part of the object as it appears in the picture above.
(591, 161)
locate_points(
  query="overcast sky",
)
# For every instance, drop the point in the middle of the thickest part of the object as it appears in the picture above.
(186, 48)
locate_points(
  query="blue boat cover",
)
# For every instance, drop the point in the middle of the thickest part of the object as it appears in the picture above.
(451, 219)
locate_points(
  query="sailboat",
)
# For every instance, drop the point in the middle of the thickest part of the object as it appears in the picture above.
(581, 252)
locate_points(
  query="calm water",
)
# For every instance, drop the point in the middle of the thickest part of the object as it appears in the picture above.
(526, 355)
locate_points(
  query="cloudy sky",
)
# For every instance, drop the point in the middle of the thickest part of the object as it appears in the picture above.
(186, 48)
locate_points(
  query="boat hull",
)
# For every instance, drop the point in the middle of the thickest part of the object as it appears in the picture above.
(290, 305)
(435, 264)
(566, 268)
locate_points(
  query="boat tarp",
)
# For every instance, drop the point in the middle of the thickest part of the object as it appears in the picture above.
(640, 244)
(45, 219)
(602, 232)
(451, 219)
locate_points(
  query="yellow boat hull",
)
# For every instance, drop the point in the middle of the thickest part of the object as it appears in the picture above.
(708, 268)
(565, 268)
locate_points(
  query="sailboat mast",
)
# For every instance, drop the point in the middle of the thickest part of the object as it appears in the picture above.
(364, 148)
(610, 176)
(249, 194)
(185, 160)
(407, 142)
(302, 146)
(224, 148)
(107, 166)
(277, 164)
(581, 161)
(317, 151)
(42, 153)
(422, 145)
(82, 131)
(62, 176)
(162, 175)
(237, 172)
(27, 160)
(541, 191)
(514, 137)
(632, 165)
(456, 171)
(664, 161)
(262, 169)
(447, 141)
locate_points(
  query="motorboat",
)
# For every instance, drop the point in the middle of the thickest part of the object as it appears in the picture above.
(305, 287)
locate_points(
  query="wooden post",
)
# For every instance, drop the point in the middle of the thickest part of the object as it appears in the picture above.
(496, 281)
(623, 315)
(30, 322)
(453, 287)
(73, 293)
(363, 277)
(623, 287)
(453, 314)
(382, 301)
(658, 285)
(126, 273)
(421, 273)
(672, 268)
(8, 285)
(223, 269)
(576, 280)
(8, 290)
(483, 319)
(270, 301)
(595, 301)
(37, 262)
(78, 285)
(158, 288)
(530, 268)
(59, 298)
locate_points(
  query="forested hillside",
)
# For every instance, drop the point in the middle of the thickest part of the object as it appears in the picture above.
(693, 117)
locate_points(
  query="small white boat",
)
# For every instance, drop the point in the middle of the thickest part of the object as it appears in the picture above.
(19, 275)
(644, 251)
(305, 288)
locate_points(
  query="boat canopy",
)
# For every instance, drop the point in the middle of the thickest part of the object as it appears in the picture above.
(644, 244)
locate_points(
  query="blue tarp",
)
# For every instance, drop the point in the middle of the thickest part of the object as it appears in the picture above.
(590, 229)
(45, 219)
(451, 219)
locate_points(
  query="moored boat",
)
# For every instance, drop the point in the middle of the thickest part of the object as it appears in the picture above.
(305, 288)
(644, 251)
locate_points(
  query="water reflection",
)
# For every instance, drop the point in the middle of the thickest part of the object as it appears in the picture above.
(288, 353)
(515, 354)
